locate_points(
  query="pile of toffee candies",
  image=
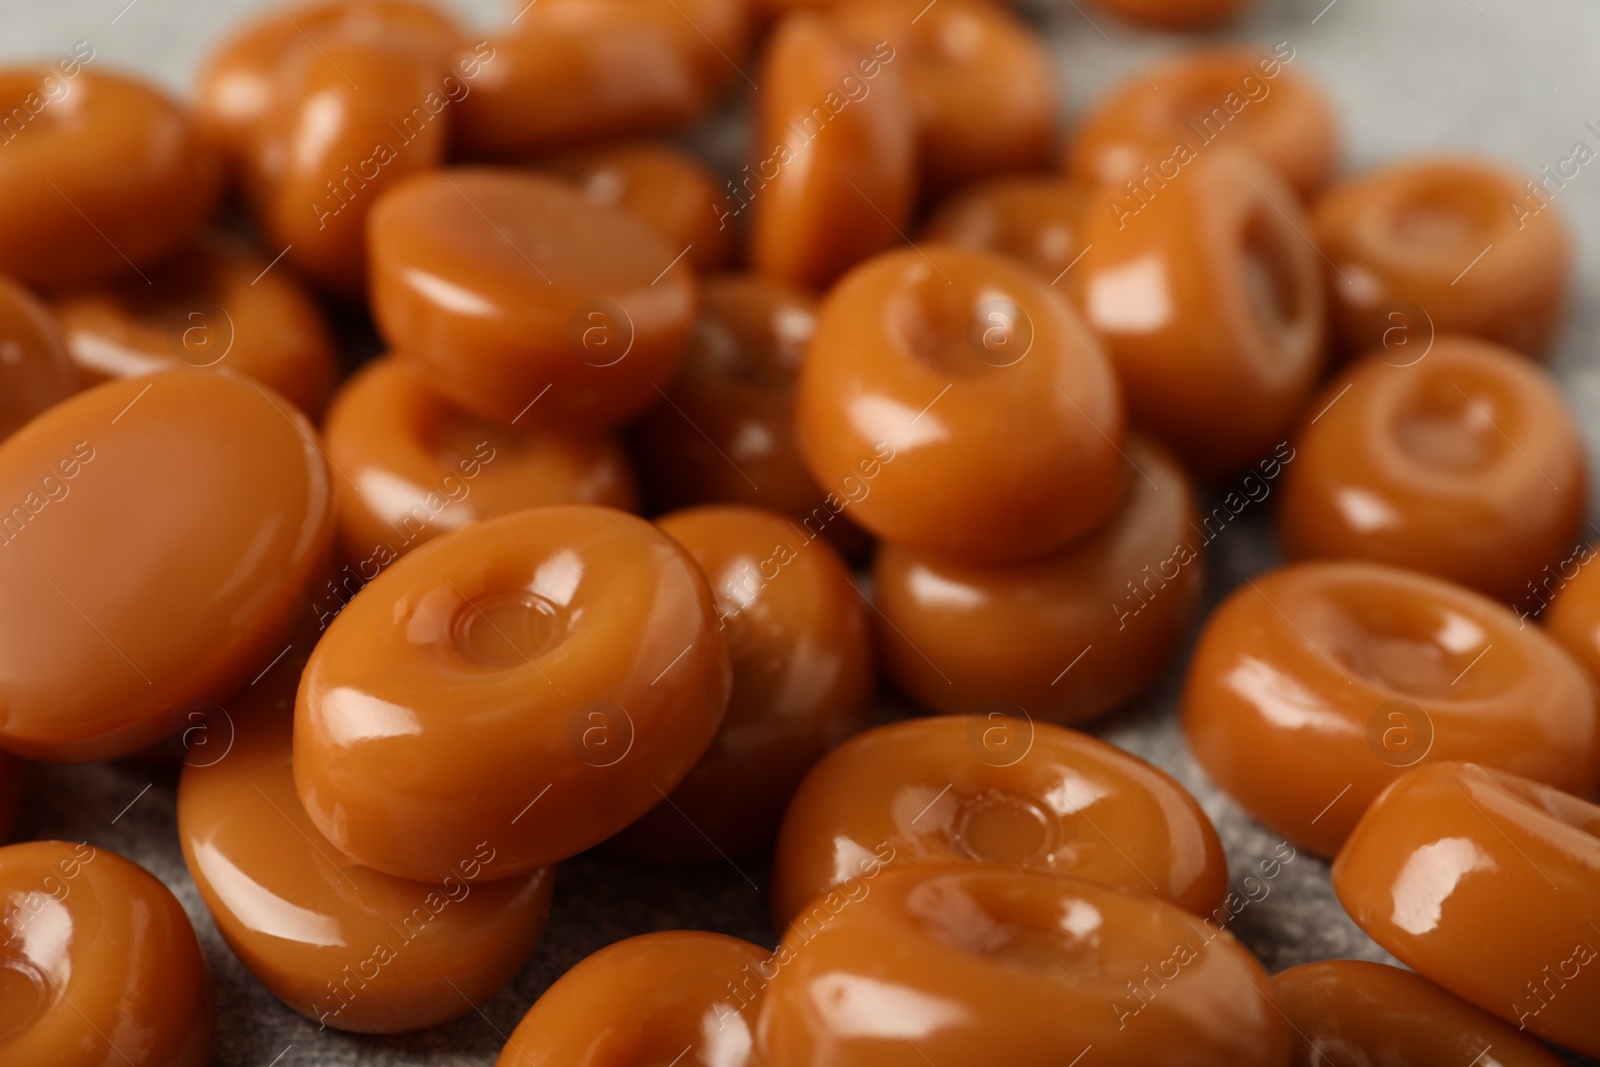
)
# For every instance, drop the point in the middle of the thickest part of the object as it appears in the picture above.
(451, 653)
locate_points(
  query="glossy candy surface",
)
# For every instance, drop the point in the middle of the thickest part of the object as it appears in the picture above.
(1467, 463)
(509, 290)
(962, 406)
(157, 535)
(970, 966)
(644, 1000)
(1316, 685)
(1034, 218)
(1210, 303)
(664, 187)
(1489, 884)
(105, 176)
(1351, 1013)
(536, 681)
(725, 432)
(979, 81)
(1154, 128)
(834, 178)
(354, 116)
(802, 681)
(339, 942)
(98, 965)
(242, 78)
(1068, 636)
(579, 70)
(418, 466)
(35, 373)
(214, 303)
(1444, 245)
(996, 791)
(1569, 591)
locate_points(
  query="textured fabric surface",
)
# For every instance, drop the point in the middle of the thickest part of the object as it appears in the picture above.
(1493, 76)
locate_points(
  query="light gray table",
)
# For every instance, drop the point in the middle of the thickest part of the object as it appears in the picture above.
(1512, 80)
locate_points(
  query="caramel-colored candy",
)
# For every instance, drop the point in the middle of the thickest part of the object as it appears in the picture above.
(1036, 219)
(997, 791)
(509, 290)
(834, 176)
(664, 187)
(1486, 883)
(1354, 1012)
(570, 71)
(1152, 130)
(536, 682)
(416, 466)
(1209, 299)
(802, 681)
(1065, 637)
(678, 993)
(157, 537)
(969, 966)
(35, 373)
(1315, 686)
(343, 944)
(1467, 463)
(960, 406)
(215, 303)
(979, 80)
(242, 79)
(98, 965)
(104, 176)
(1444, 245)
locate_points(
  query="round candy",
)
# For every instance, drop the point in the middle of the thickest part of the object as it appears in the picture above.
(1486, 883)
(99, 964)
(1066, 637)
(157, 535)
(509, 290)
(418, 466)
(1467, 463)
(979, 79)
(664, 187)
(35, 373)
(1315, 686)
(1209, 299)
(968, 966)
(802, 681)
(106, 174)
(1146, 134)
(352, 119)
(242, 79)
(1034, 218)
(214, 304)
(341, 943)
(572, 71)
(726, 432)
(536, 681)
(999, 791)
(1444, 245)
(835, 178)
(960, 406)
(644, 1000)
(1368, 1014)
